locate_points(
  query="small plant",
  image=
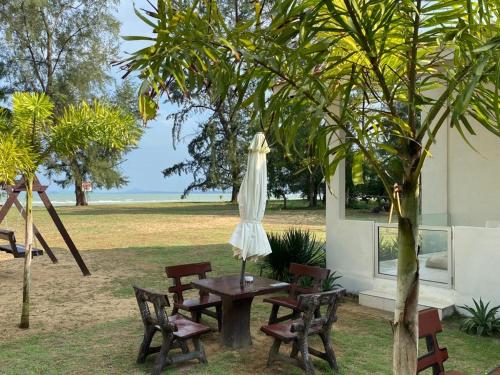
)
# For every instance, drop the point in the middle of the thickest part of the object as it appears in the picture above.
(331, 282)
(483, 320)
(293, 246)
(328, 284)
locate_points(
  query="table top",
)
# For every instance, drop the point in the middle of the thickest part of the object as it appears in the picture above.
(229, 286)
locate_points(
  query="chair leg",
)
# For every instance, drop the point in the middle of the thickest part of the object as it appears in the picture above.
(184, 346)
(306, 358)
(200, 349)
(196, 316)
(330, 353)
(218, 310)
(275, 349)
(149, 332)
(295, 350)
(161, 360)
(274, 314)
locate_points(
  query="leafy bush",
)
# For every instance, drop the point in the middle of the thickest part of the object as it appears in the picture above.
(483, 321)
(293, 246)
(330, 283)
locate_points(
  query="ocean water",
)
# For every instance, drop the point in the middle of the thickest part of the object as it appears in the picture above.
(67, 198)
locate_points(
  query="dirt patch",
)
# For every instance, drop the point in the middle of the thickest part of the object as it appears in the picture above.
(61, 297)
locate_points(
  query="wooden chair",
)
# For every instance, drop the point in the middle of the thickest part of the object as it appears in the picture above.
(175, 330)
(195, 306)
(297, 332)
(429, 326)
(298, 271)
(13, 248)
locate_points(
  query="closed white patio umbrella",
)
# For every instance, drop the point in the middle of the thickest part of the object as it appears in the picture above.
(249, 238)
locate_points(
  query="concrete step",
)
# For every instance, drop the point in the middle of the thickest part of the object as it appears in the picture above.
(385, 300)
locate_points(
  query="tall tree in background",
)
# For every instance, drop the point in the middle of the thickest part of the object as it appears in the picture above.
(323, 54)
(63, 48)
(4, 90)
(59, 47)
(295, 170)
(94, 163)
(218, 150)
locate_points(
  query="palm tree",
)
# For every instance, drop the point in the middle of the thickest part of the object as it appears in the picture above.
(32, 134)
(341, 68)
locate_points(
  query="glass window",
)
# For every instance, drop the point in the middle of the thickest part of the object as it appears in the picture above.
(433, 253)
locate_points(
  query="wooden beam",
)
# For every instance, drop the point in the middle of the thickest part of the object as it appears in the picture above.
(21, 210)
(13, 192)
(64, 233)
(37, 187)
(8, 204)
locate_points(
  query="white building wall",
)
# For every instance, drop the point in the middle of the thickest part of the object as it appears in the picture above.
(350, 253)
(476, 254)
(474, 179)
(435, 175)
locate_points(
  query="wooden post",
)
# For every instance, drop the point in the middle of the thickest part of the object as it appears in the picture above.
(64, 233)
(8, 204)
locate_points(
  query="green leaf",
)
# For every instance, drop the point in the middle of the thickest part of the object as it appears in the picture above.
(357, 168)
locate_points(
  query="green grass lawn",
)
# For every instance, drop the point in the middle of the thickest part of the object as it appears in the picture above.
(91, 325)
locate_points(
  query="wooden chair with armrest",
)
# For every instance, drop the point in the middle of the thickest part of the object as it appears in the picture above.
(175, 331)
(200, 304)
(297, 271)
(429, 326)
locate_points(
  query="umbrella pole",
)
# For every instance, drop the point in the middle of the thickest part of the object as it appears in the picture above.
(242, 276)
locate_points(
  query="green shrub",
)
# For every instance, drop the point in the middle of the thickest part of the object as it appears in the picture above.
(328, 284)
(293, 246)
(483, 321)
(331, 282)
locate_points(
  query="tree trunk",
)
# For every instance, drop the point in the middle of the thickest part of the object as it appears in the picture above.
(81, 198)
(405, 314)
(235, 170)
(311, 191)
(28, 245)
(234, 194)
(284, 201)
(315, 195)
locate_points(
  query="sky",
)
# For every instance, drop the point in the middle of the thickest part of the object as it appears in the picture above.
(143, 166)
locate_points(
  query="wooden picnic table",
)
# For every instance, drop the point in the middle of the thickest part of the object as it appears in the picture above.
(236, 304)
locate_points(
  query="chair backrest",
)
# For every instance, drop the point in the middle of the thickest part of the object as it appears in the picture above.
(9, 235)
(310, 304)
(159, 301)
(176, 273)
(429, 326)
(298, 271)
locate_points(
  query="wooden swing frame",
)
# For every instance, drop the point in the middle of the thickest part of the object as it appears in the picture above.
(13, 192)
